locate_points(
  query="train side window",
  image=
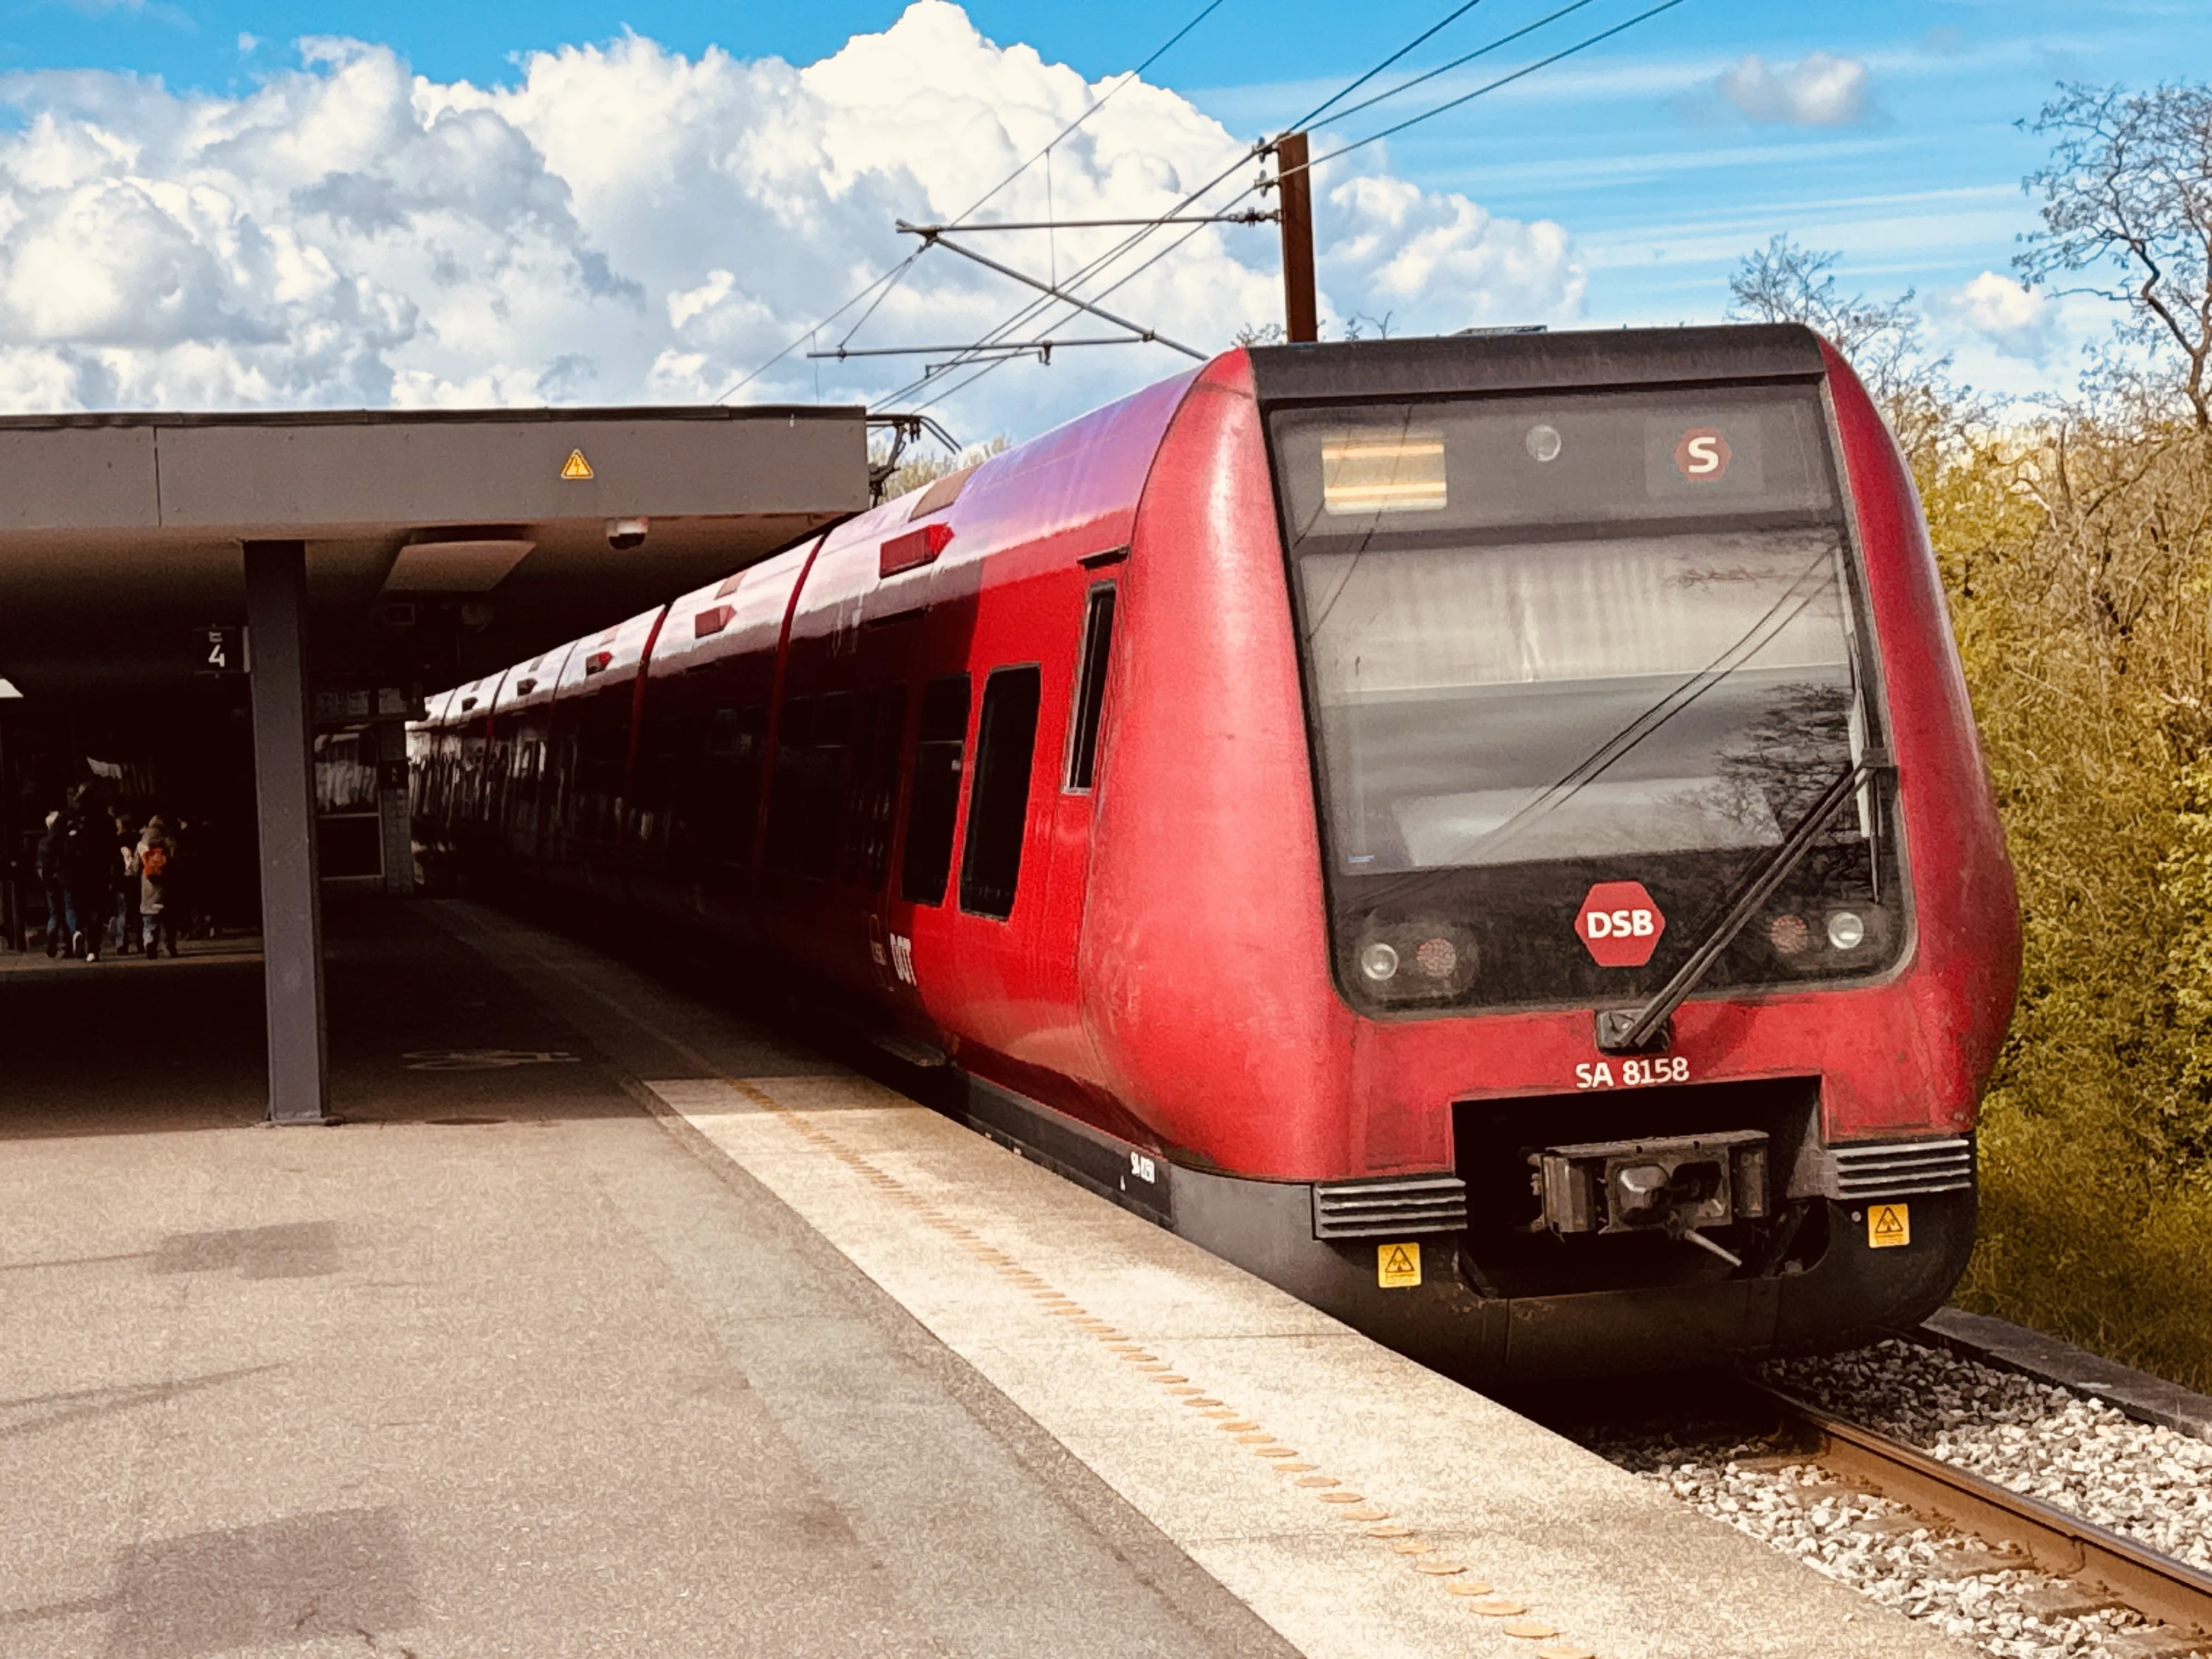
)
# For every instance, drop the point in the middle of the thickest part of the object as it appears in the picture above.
(787, 801)
(999, 803)
(1091, 687)
(722, 807)
(934, 802)
(829, 782)
(868, 854)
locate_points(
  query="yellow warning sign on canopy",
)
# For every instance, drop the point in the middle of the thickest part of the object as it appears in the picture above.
(1888, 1225)
(575, 466)
(1397, 1265)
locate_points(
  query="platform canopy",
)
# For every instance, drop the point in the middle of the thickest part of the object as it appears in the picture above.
(440, 544)
(362, 554)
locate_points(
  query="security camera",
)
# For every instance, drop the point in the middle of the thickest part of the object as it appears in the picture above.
(624, 534)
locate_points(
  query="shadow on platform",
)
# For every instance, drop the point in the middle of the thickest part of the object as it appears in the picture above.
(421, 1031)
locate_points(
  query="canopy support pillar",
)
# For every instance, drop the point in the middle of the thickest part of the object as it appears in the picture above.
(284, 801)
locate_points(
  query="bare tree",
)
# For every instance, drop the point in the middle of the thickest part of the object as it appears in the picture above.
(1784, 282)
(2129, 188)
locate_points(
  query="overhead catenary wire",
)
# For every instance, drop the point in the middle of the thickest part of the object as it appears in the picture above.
(890, 275)
(1304, 121)
(1036, 308)
(1502, 81)
(995, 361)
(1461, 61)
(1580, 45)
(890, 278)
(1346, 90)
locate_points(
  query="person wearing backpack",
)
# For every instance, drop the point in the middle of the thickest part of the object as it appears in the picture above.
(157, 856)
(85, 851)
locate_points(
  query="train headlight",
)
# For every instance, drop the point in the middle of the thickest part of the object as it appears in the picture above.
(1379, 962)
(1846, 930)
(1410, 960)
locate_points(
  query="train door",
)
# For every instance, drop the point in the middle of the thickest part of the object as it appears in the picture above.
(471, 716)
(531, 791)
(839, 723)
(592, 718)
(1071, 818)
(976, 865)
(702, 745)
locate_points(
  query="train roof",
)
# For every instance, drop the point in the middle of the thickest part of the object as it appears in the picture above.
(1086, 475)
(1579, 359)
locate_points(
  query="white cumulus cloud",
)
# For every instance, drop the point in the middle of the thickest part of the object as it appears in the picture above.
(1819, 90)
(2017, 320)
(623, 223)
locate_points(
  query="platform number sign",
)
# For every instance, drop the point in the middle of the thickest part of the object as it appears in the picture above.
(220, 650)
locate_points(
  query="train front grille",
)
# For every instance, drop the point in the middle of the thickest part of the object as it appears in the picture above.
(1390, 1207)
(1902, 1169)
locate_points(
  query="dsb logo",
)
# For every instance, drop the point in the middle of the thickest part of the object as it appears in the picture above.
(1619, 924)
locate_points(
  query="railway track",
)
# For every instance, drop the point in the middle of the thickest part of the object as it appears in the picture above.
(2110, 1569)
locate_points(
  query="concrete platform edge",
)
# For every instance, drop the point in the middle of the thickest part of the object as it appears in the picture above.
(1558, 1525)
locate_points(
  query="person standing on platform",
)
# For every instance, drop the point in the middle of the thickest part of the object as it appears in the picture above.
(157, 864)
(49, 868)
(87, 853)
(126, 887)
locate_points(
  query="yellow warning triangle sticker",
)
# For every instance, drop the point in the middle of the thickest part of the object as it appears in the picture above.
(575, 466)
(1397, 1264)
(1888, 1225)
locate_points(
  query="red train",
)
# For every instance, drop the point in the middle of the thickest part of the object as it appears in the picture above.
(1487, 833)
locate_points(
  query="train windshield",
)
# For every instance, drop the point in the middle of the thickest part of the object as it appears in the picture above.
(1566, 644)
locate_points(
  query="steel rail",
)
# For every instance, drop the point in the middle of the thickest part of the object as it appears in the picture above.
(2056, 1541)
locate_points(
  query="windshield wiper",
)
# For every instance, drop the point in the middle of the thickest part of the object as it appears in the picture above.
(1626, 1030)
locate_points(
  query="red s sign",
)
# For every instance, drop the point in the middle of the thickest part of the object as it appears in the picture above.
(1701, 453)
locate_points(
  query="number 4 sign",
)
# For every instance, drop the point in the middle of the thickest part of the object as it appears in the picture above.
(220, 650)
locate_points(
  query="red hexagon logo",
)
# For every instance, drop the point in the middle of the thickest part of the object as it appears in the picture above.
(1619, 924)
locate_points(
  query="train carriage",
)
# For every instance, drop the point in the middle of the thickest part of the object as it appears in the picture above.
(1487, 833)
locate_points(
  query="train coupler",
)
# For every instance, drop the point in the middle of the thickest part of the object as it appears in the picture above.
(1676, 1186)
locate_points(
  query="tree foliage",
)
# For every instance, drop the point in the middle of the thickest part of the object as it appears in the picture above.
(2075, 549)
(1784, 283)
(2075, 555)
(2128, 194)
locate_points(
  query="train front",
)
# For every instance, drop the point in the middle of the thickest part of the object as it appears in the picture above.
(1669, 931)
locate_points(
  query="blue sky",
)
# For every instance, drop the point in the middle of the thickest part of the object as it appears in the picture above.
(1887, 131)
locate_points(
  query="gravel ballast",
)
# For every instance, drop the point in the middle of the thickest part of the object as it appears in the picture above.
(2151, 1483)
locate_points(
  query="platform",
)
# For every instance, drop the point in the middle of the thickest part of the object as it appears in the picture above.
(612, 1322)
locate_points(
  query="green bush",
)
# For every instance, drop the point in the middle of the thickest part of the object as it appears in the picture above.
(2077, 557)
